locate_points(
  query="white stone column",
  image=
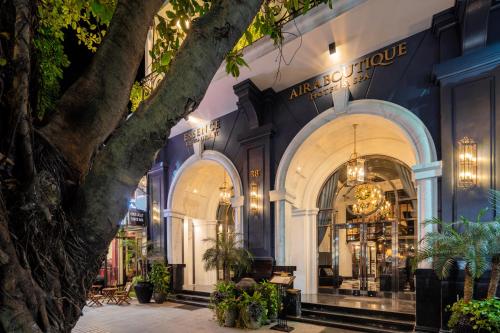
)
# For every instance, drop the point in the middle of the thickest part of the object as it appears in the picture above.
(283, 207)
(307, 266)
(174, 236)
(237, 204)
(426, 177)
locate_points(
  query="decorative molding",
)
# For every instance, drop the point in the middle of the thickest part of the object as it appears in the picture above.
(173, 213)
(281, 195)
(250, 100)
(340, 99)
(428, 170)
(237, 201)
(480, 60)
(410, 124)
(473, 18)
(305, 212)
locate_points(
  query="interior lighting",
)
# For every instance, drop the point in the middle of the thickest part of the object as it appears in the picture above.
(254, 202)
(467, 162)
(355, 166)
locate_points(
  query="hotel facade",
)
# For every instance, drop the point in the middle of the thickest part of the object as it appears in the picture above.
(328, 156)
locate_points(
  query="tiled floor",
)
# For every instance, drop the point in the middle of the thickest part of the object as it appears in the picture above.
(362, 302)
(167, 317)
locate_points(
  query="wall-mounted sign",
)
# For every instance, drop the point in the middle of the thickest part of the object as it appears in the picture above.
(348, 75)
(136, 217)
(209, 131)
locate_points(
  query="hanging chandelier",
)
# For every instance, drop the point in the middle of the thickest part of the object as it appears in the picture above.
(355, 166)
(225, 193)
(369, 199)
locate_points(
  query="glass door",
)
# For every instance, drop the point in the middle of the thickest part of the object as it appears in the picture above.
(365, 246)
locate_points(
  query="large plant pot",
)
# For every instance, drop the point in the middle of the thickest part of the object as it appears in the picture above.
(144, 292)
(230, 317)
(251, 321)
(159, 297)
(464, 326)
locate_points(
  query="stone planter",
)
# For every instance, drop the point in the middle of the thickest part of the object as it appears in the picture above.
(159, 297)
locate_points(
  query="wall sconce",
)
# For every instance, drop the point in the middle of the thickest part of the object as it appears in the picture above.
(467, 162)
(254, 202)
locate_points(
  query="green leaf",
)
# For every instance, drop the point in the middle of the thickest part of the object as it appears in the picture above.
(3, 61)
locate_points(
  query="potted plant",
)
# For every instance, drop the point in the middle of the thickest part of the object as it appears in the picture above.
(228, 310)
(253, 312)
(271, 297)
(160, 278)
(227, 252)
(470, 243)
(143, 289)
(475, 316)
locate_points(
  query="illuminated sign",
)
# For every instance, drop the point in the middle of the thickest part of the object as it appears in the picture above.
(348, 75)
(209, 131)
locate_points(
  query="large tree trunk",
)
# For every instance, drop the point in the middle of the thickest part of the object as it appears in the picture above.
(495, 276)
(92, 107)
(55, 232)
(468, 286)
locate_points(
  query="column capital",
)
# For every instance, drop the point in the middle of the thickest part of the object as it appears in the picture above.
(173, 213)
(237, 201)
(428, 170)
(276, 195)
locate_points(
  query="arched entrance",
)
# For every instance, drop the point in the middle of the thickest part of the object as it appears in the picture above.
(324, 145)
(194, 211)
(366, 231)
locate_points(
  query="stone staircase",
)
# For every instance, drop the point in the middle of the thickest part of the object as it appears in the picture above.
(190, 297)
(363, 320)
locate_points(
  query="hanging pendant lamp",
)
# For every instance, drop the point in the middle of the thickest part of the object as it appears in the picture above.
(355, 165)
(224, 193)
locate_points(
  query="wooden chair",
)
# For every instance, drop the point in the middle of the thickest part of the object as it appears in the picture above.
(123, 296)
(94, 298)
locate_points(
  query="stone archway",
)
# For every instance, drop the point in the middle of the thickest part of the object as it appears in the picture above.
(324, 144)
(192, 208)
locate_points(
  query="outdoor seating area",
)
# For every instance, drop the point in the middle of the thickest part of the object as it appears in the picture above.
(97, 296)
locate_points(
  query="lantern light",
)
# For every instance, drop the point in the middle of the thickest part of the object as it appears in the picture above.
(225, 193)
(355, 166)
(467, 162)
(254, 203)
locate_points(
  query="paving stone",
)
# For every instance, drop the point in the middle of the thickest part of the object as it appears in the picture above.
(164, 318)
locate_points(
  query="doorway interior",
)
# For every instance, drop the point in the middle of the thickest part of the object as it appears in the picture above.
(367, 232)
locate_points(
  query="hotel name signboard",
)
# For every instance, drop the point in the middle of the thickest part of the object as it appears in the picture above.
(348, 75)
(203, 133)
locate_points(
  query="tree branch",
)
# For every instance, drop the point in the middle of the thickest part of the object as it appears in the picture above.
(19, 95)
(130, 152)
(94, 105)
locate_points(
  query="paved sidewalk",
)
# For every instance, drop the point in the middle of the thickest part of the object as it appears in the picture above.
(167, 317)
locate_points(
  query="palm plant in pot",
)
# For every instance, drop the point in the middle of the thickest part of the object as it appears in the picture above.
(464, 242)
(227, 252)
(159, 276)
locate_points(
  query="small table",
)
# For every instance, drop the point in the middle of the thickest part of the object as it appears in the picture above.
(109, 293)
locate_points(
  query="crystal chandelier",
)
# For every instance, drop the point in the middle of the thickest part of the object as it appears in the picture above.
(355, 166)
(225, 193)
(368, 197)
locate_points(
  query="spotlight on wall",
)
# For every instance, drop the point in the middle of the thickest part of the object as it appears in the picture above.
(467, 162)
(332, 48)
(254, 202)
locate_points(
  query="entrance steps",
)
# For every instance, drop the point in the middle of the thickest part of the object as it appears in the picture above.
(363, 320)
(190, 297)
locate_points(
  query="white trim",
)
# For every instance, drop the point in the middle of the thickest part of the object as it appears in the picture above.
(428, 170)
(277, 196)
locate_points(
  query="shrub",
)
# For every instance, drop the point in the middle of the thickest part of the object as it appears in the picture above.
(483, 316)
